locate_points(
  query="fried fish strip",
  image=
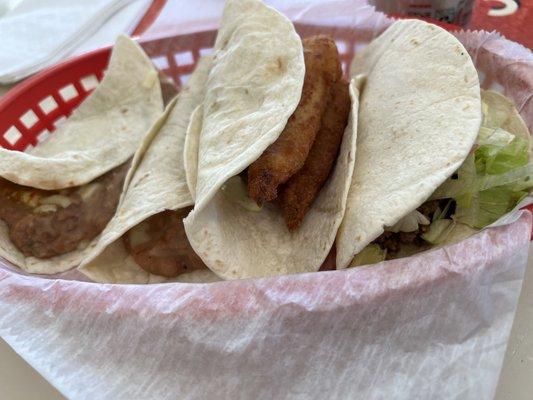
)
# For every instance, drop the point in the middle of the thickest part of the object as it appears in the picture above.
(298, 194)
(160, 246)
(287, 154)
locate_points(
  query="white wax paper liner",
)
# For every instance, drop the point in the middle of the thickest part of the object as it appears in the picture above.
(431, 326)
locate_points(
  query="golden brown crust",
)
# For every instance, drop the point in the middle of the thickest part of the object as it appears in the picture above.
(288, 153)
(298, 194)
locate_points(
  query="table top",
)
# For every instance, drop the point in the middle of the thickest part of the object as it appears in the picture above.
(18, 380)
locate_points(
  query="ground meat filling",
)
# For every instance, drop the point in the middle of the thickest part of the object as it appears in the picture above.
(393, 242)
(160, 246)
(46, 224)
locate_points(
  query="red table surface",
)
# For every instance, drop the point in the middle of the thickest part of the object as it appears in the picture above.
(517, 25)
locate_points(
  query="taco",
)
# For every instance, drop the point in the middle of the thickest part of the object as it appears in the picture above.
(270, 150)
(145, 241)
(438, 158)
(56, 198)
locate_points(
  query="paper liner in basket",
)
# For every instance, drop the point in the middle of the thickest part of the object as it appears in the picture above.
(430, 326)
(434, 326)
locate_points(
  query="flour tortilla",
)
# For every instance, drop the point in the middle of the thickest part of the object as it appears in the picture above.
(248, 102)
(59, 263)
(253, 88)
(420, 112)
(97, 138)
(190, 152)
(102, 133)
(237, 243)
(157, 183)
(115, 265)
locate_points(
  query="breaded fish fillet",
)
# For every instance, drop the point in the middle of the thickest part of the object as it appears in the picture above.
(298, 194)
(287, 154)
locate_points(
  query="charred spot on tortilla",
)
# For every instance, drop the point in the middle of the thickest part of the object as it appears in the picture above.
(160, 246)
(280, 64)
(288, 153)
(45, 224)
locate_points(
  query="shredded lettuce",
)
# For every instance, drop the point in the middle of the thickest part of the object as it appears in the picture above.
(493, 136)
(446, 231)
(518, 179)
(491, 181)
(493, 159)
(438, 230)
(487, 206)
(439, 214)
(409, 223)
(371, 254)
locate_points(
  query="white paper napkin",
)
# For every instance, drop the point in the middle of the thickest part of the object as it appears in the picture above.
(123, 21)
(37, 33)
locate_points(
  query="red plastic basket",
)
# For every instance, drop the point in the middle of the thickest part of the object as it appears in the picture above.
(32, 110)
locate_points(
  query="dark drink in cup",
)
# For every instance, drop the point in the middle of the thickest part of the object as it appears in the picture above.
(456, 12)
